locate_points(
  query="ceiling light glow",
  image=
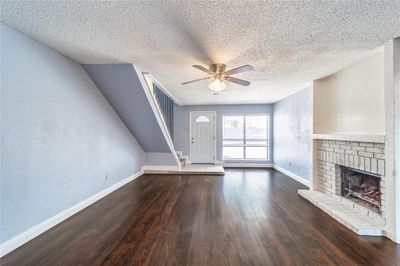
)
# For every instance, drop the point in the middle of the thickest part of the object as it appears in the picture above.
(217, 86)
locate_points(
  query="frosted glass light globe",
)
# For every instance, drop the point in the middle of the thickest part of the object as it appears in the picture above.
(216, 86)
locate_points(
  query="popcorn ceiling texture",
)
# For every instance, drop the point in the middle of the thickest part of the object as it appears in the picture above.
(289, 43)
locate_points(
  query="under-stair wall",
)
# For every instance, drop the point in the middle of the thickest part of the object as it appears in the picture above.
(143, 108)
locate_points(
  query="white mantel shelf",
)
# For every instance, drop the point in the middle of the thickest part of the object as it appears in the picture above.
(352, 137)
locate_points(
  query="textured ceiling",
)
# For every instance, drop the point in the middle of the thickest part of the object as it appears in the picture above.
(288, 43)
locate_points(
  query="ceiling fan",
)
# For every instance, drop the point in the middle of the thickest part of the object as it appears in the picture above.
(220, 76)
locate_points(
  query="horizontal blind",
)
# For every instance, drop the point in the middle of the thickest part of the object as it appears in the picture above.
(234, 127)
(245, 136)
(256, 128)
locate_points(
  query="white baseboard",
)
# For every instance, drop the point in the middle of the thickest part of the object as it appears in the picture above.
(247, 165)
(38, 229)
(291, 175)
(266, 165)
(159, 169)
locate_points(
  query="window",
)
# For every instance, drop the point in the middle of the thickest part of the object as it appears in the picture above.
(245, 137)
(202, 119)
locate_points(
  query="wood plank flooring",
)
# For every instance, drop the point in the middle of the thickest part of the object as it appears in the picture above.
(247, 217)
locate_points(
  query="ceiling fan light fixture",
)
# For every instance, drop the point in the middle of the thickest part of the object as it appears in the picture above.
(220, 77)
(217, 86)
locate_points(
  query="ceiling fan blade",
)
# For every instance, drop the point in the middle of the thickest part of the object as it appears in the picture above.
(201, 68)
(187, 82)
(240, 69)
(238, 81)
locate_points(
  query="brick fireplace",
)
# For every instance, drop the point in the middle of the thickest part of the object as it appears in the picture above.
(349, 183)
(356, 129)
(368, 157)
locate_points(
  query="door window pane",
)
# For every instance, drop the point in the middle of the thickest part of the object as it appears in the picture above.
(202, 119)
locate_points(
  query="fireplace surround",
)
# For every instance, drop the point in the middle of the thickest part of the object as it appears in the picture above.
(332, 156)
(362, 160)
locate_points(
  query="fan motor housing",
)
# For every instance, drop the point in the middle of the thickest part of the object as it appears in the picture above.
(217, 68)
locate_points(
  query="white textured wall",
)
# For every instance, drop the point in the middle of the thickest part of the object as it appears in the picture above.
(392, 140)
(352, 100)
(292, 133)
(396, 89)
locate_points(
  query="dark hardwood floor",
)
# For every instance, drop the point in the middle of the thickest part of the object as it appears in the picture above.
(247, 217)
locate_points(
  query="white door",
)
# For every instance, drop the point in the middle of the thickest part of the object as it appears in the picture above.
(202, 137)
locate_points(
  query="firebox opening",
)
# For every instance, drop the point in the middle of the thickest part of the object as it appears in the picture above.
(361, 187)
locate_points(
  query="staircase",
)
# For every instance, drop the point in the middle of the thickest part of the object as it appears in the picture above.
(163, 105)
(183, 159)
(147, 109)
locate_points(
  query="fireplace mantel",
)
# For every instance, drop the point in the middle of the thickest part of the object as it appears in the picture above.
(351, 137)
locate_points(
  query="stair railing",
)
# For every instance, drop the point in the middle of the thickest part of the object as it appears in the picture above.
(164, 103)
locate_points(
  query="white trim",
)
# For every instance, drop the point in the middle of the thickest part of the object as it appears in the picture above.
(166, 169)
(352, 137)
(159, 168)
(215, 133)
(247, 165)
(42, 227)
(292, 175)
(396, 89)
(313, 170)
(268, 139)
(266, 165)
(146, 81)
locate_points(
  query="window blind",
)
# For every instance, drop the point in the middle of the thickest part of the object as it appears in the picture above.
(245, 136)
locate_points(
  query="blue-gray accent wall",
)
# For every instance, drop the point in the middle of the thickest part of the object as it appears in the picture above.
(292, 133)
(60, 136)
(122, 88)
(182, 125)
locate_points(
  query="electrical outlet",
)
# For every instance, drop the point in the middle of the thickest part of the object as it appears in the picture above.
(106, 177)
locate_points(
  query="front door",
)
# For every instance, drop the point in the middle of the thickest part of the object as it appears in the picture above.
(202, 137)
